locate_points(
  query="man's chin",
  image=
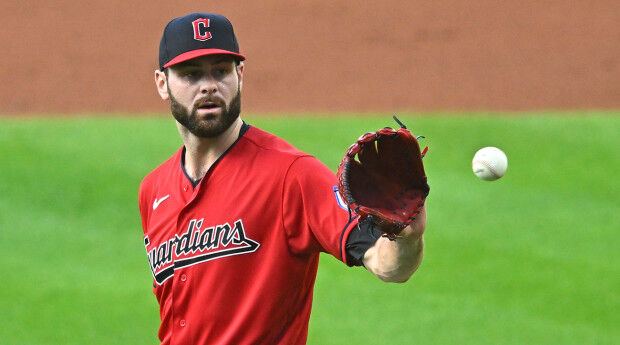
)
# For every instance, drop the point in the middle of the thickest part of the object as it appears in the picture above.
(209, 126)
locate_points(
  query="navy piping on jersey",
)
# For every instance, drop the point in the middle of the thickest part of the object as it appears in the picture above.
(344, 229)
(244, 128)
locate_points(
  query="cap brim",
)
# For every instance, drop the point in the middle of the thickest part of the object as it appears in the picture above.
(201, 52)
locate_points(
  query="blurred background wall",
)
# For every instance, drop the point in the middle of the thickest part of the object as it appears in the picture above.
(99, 56)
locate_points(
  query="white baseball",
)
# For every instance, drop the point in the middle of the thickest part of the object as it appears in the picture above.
(489, 163)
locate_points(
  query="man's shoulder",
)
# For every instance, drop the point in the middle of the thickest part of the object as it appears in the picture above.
(278, 153)
(272, 144)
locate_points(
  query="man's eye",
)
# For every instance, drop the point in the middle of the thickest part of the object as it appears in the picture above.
(191, 74)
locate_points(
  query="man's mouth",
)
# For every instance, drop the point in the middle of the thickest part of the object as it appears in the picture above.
(208, 108)
(208, 105)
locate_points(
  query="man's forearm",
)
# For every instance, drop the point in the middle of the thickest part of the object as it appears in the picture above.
(396, 260)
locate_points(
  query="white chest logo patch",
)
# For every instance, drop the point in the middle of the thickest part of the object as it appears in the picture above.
(157, 202)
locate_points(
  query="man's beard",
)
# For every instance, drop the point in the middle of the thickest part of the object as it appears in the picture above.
(201, 128)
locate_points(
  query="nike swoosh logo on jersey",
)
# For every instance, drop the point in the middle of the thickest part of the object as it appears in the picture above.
(157, 202)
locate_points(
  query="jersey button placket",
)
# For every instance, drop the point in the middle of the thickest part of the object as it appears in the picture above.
(182, 323)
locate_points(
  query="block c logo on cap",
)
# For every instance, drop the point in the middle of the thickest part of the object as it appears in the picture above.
(200, 29)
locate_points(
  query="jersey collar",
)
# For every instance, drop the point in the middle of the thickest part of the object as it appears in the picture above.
(242, 131)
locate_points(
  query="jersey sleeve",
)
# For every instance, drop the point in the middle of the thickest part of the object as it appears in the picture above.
(314, 216)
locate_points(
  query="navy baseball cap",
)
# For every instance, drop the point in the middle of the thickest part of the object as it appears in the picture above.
(194, 35)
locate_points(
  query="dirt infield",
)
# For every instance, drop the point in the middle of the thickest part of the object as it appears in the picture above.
(99, 56)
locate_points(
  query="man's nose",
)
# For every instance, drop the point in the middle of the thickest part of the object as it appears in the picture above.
(208, 85)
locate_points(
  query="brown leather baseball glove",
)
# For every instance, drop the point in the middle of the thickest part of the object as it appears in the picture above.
(386, 184)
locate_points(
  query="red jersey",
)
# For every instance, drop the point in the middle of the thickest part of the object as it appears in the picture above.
(234, 259)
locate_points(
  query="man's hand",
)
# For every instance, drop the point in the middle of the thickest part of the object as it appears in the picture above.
(382, 179)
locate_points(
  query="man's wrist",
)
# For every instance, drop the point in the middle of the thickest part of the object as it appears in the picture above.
(410, 234)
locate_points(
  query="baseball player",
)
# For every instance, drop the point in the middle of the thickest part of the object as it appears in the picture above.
(235, 220)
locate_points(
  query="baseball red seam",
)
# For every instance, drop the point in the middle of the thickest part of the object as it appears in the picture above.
(489, 167)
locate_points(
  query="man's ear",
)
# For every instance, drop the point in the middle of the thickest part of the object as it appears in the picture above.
(240, 68)
(161, 83)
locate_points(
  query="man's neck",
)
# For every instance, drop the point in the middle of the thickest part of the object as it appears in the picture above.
(201, 153)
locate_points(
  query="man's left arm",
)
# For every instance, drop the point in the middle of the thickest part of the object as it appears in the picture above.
(396, 260)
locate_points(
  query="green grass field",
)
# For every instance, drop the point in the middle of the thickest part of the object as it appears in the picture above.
(530, 259)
